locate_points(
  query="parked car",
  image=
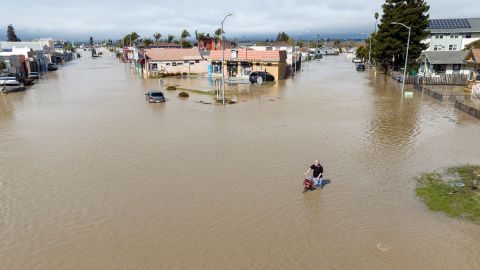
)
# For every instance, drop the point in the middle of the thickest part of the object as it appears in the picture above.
(267, 77)
(154, 97)
(361, 67)
(34, 75)
(357, 60)
(52, 66)
(10, 84)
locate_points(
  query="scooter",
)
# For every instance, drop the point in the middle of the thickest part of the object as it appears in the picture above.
(308, 184)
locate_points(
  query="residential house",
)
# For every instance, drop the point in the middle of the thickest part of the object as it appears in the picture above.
(174, 61)
(242, 62)
(452, 34)
(473, 62)
(435, 63)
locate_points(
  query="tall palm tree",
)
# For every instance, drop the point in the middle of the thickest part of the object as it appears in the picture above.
(183, 36)
(157, 36)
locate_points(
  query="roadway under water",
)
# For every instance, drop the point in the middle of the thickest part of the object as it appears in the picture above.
(93, 177)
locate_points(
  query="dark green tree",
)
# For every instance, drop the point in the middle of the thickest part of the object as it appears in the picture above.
(282, 37)
(390, 40)
(130, 38)
(362, 52)
(472, 45)
(11, 36)
(170, 38)
(217, 35)
(90, 42)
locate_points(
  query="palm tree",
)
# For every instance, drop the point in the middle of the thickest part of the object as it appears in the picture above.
(157, 36)
(183, 36)
(216, 36)
(170, 38)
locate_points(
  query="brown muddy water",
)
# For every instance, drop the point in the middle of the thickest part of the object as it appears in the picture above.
(93, 177)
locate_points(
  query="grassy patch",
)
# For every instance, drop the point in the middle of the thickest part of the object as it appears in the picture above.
(454, 192)
(198, 92)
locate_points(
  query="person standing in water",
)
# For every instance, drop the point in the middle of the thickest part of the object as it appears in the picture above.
(317, 173)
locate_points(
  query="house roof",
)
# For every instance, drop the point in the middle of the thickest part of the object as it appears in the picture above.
(247, 54)
(469, 25)
(172, 54)
(444, 57)
(473, 56)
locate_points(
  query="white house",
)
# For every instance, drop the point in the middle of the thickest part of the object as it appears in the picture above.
(452, 34)
(434, 63)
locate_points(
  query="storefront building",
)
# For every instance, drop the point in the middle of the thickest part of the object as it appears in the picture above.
(239, 63)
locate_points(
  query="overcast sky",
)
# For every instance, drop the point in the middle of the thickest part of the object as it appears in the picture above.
(77, 20)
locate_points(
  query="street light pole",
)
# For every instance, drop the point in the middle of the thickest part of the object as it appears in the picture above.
(406, 56)
(223, 58)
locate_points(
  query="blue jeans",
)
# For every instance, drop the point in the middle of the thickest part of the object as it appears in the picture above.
(317, 181)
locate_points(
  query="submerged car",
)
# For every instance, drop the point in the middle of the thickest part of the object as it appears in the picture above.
(357, 60)
(154, 97)
(267, 77)
(52, 67)
(360, 67)
(33, 75)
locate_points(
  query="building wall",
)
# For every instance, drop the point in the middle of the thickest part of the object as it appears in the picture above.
(450, 41)
(466, 41)
(277, 69)
(179, 67)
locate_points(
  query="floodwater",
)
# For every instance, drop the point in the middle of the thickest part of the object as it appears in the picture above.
(93, 177)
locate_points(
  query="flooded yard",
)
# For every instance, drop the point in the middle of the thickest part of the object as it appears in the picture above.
(93, 177)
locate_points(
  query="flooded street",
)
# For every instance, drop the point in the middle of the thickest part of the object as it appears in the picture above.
(93, 177)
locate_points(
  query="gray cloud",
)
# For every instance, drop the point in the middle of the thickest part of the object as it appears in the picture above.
(78, 20)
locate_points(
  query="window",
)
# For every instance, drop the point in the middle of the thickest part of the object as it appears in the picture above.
(456, 67)
(438, 48)
(269, 64)
(452, 47)
(179, 64)
(167, 64)
(192, 63)
(468, 35)
(439, 68)
(185, 61)
(174, 64)
(439, 36)
(453, 35)
(197, 61)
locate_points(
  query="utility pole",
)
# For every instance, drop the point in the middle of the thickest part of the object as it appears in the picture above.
(223, 58)
(406, 56)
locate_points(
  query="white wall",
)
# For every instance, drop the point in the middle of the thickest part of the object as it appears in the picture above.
(181, 66)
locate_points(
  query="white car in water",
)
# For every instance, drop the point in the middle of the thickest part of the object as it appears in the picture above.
(10, 84)
(357, 60)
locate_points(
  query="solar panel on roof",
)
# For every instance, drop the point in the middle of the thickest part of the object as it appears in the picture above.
(449, 24)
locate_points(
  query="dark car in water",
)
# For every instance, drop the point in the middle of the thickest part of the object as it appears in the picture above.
(360, 67)
(51, 67)
(267, 77)
(154, 97)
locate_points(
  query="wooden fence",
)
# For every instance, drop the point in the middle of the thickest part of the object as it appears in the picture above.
(446, 79)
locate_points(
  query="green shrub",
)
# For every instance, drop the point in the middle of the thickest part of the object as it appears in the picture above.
(171, 87)
(183, 94)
